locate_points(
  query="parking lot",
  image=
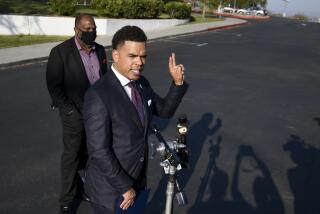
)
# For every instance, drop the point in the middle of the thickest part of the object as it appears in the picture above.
(254, 110)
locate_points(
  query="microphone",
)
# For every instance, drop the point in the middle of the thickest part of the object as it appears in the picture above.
(182, 128)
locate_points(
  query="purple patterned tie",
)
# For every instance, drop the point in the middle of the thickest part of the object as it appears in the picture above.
(137, 101)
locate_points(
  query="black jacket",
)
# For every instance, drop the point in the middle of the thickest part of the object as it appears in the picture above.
(67, 81)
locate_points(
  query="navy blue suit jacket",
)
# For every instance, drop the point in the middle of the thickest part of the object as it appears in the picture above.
(116, 139)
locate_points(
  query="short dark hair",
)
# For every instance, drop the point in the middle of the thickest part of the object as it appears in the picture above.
(81, 16)
(128, 33)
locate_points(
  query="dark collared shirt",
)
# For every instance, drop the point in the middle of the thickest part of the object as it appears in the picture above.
(90, 62)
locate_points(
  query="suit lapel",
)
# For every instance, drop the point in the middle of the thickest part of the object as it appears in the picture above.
(81, 71)
(128, 105)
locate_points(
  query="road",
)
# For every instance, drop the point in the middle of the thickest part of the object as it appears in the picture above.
(254, 111)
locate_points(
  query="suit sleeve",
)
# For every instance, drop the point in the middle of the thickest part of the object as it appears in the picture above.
(55, 80)
(99, 142)
(166, 107)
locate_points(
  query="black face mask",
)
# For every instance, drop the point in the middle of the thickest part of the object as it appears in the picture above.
(88, 37)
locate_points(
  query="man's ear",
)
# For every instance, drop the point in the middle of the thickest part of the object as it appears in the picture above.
(115, 55)
(76, 31)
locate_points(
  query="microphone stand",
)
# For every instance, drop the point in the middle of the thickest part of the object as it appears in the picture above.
(171, 164)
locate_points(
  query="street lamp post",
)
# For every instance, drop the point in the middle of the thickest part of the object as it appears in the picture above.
(219, 9)
(285, 8)
(204, 9)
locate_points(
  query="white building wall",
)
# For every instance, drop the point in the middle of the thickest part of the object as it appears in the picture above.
(63, 26)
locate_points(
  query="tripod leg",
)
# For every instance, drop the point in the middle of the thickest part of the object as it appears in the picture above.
(181, 197)
(170, 189)
(169, 193)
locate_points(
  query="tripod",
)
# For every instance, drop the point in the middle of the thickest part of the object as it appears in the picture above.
(171, 164)
(170, 192)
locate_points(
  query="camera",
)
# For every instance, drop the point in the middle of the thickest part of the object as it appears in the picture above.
(174, 152)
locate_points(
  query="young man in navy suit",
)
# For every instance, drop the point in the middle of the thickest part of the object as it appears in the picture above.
(117, 114)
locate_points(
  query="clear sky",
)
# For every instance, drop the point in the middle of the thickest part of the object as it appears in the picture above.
(309, 8)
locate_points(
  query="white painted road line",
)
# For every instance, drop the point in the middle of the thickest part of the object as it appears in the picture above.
(186, 43)
(203, 44)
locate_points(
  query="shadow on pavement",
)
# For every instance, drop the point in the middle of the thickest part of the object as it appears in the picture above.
(266, 195)
(317, 119)
(304, 178)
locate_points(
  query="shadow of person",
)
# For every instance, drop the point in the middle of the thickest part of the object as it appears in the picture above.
(304, 178)
(317, 119)
(197, 135)
(218, 184)
(238, 204)
(266, 196)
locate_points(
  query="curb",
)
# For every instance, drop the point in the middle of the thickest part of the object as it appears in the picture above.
(228, 26)
(43, 59)
(200, 31)
(22, 62)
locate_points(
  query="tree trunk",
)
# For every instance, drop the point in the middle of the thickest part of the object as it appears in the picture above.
(204, 9)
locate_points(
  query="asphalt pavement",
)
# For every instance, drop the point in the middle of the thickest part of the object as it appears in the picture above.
(254, 111)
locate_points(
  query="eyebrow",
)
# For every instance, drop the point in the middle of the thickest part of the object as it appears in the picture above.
(136, 55)
(90, 28)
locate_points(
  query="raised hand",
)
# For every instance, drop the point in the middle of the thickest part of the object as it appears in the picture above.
(176, 71)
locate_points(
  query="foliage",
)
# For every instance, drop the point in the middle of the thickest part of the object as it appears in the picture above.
(25, 7)
(178, 10)
(196, 18)
(83, 2)
(63, 7)
(128, 8)
(301, 17)
(166, 1)
(87, 10)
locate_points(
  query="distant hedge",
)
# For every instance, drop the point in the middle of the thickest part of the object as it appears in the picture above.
(63, 7)
(178, 10)
(133, 9)
(166, 1)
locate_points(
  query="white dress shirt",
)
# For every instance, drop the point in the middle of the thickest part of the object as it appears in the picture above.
(123, 80)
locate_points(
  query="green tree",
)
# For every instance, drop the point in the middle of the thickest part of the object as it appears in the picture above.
(166, 1)
(178, 10)
(63, 7)
(128, 8)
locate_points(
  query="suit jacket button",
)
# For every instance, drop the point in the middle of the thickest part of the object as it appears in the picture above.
(142, 159)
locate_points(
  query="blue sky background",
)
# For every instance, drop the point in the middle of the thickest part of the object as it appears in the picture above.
(309, 8)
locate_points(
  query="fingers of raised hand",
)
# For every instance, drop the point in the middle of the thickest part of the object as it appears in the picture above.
(178, 74)
(173, 56)
(180, 68)
(172, 61)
